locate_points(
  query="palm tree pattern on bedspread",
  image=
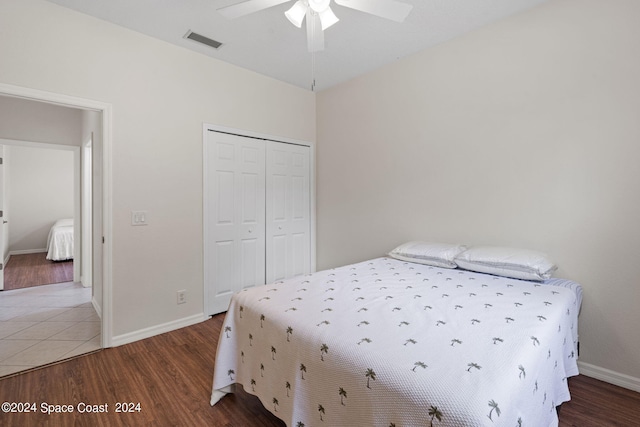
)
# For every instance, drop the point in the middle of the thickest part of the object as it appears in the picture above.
(407, 324)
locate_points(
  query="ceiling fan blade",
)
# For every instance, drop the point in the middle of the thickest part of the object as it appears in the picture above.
(389, 9)
(246, 7)
(315, 35)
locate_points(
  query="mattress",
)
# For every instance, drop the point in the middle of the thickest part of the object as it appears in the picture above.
(386, 342)
(60, 241)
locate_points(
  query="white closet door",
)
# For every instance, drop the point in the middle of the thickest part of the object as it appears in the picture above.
(234, 217)
(288, 211)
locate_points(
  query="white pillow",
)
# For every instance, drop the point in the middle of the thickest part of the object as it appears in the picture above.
(436, 254)
(508, 262)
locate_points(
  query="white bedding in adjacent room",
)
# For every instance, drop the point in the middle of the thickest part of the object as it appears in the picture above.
(387, 342)
(60, 241)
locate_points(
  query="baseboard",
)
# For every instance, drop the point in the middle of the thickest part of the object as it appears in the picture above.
(157, 330)
(609, 376)
(27, 251)
(96, 307)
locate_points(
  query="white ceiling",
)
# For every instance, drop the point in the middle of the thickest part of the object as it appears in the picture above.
(266, 42)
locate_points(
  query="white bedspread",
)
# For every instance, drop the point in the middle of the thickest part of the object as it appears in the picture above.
(386, 342)
(60, 241)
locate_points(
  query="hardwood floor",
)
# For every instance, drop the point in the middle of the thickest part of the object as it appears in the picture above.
(596, 403)
(23, 271)
(170, 375)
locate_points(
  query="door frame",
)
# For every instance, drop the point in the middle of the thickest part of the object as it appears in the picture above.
(206, 127)
(4, 230)
(86, 209)
(107, 206)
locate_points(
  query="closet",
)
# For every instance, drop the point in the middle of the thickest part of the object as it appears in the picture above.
(257, 209)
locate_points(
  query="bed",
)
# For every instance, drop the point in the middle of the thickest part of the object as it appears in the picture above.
(60, 241)
(387, 342)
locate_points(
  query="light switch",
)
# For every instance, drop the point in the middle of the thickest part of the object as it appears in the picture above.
(139, 218)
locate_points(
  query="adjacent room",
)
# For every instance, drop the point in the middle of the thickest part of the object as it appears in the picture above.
(328, 212)
(46, 299)
(40, 235)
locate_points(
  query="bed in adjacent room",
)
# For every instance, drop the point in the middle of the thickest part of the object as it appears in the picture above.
(391, 342)
(60, 241)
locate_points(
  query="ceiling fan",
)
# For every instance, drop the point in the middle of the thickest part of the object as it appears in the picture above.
(319, 14)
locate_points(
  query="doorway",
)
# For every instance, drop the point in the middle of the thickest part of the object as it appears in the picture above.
(48, 314)
(40, 203)
(96, 269)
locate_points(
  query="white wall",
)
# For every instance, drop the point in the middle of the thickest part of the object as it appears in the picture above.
(36, 208)
(161, 95)
(31, 121)
(524, 133)
(40, 183)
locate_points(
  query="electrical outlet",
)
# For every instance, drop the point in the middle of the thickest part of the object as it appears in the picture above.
(182, 297)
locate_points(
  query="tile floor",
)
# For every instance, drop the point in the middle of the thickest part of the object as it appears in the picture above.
(46, 324)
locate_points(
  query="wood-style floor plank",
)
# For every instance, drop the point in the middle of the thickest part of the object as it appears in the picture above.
(170, 375)
(26, 270)
(596, 403)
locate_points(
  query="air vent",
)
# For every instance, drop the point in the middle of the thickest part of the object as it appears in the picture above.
(202, 39)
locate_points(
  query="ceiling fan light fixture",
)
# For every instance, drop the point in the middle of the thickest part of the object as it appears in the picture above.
(297, 13)
(319, 6)
(327, 18)
(318, 13)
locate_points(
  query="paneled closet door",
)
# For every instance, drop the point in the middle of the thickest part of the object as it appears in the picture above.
(234, 217)
(288, 211)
